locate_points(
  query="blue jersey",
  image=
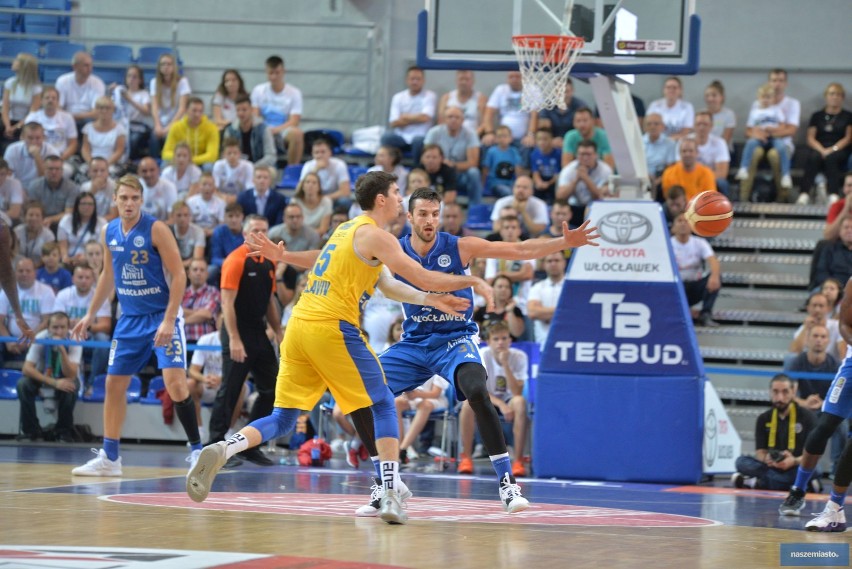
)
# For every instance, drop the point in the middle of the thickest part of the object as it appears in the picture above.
(425, 322)
(140, 281)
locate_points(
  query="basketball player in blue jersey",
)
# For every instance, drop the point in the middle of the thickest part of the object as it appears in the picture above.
(836, 407)
(142, 261)
(10, 286)
(435, 342)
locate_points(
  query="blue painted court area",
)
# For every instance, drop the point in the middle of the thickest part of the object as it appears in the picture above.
(592, 503)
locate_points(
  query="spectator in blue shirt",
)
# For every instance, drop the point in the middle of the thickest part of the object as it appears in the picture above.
(660, 150)
(52, 273)
(225, 239)
(545, 162)
(502, 162)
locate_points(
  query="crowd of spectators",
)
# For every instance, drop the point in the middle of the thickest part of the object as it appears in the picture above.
(206, 165)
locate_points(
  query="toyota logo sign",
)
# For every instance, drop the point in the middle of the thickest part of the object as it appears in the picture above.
(624, 227)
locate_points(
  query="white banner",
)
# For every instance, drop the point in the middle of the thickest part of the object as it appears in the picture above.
(722, 443)
(633, 246)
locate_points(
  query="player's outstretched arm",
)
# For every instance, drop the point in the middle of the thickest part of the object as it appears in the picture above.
(261, 245)
(475, 247)
(376, 243)
(403, 292)
(10, 286)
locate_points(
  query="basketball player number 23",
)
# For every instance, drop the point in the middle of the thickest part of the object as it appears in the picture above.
(323, 260)
(139, 257)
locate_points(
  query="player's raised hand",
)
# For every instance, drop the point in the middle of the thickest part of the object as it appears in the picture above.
(260, 245)
(80, 331)
(27, 334)
(583, 235)
(484, 290)
(448, 303)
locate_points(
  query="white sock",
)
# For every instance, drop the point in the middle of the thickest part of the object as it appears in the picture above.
(355, 444)
(202, 432)
(390, 474)
(236, 443)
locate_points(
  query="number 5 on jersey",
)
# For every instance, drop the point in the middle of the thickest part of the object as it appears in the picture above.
(323, 260)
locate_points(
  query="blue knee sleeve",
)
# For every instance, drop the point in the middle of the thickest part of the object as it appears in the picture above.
(384, 417)
(276, 425)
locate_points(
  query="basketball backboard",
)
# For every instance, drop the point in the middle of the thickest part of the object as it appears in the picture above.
(644, 36)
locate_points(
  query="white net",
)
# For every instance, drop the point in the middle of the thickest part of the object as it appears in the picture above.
(545, 63)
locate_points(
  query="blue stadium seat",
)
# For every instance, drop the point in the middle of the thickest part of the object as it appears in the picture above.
(533, 351)
(110, 75)
(112, 53)
(290, 178)
(62, 24)
(11, 48)
(50, 73)
(154, 386)
(8, 383)
(9, 22)
(150, 54)
(355, 172)
(63, 50)
(5, 71)
(43, 24)
(479, 217)
(99, 390)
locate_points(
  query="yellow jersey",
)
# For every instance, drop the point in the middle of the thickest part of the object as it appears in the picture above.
(342, 281)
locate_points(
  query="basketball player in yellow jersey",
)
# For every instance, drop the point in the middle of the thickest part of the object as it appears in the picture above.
(323, 346)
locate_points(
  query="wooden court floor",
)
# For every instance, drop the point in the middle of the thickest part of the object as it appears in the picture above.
(287, 516)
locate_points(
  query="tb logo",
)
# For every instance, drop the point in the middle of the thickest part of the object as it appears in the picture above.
(628, 319)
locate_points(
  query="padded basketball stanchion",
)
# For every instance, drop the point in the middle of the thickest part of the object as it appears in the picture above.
(620, 390)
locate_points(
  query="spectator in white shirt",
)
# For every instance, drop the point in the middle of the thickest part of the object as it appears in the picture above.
(36, 301)
(102, 187)
(182, 173)
(104, 137)
(207, 210)
(712, 150)
(544, 296)
(60, 128)
(169, 98)
(26, 157)
(280, 105)
(333, 173)
(159, 194)
(412, 113)
(699, 270)
(232, 173)
(79, 89)
(505, 104)
(678, 115)
(724, 119)
(21, 96)
(532, 211)
(585, 179)
(11, 193)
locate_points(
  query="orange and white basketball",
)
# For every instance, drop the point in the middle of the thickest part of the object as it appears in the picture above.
(709, 213)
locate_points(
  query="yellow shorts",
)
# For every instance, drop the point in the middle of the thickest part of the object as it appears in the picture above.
(320, 354)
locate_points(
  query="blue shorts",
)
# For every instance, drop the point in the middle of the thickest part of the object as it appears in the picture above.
(133, 342)
(838, 400)
(409, 364)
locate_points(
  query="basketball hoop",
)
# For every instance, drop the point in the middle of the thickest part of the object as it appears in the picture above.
(545, 62)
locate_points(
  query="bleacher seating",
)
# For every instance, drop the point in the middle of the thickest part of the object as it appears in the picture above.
(111, 62)
(154, 386)
(63, 50)
(11, 48)
(479, 217)
(9, 22)
(290, 177)
(149, 55)
(355, 172)
(98, 394)
(8, 383)
(46, 23)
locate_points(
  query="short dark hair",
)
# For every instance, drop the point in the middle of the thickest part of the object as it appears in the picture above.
(233, 207)
(194, 101)
(426, 194)
(432, 146)
(414, 68)
(242, 98)
(586, 110)
(230, 141)
(778, 71)
(370, 185)
(675, 192)
(274, 61)
(588, 144)
(782, 377)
